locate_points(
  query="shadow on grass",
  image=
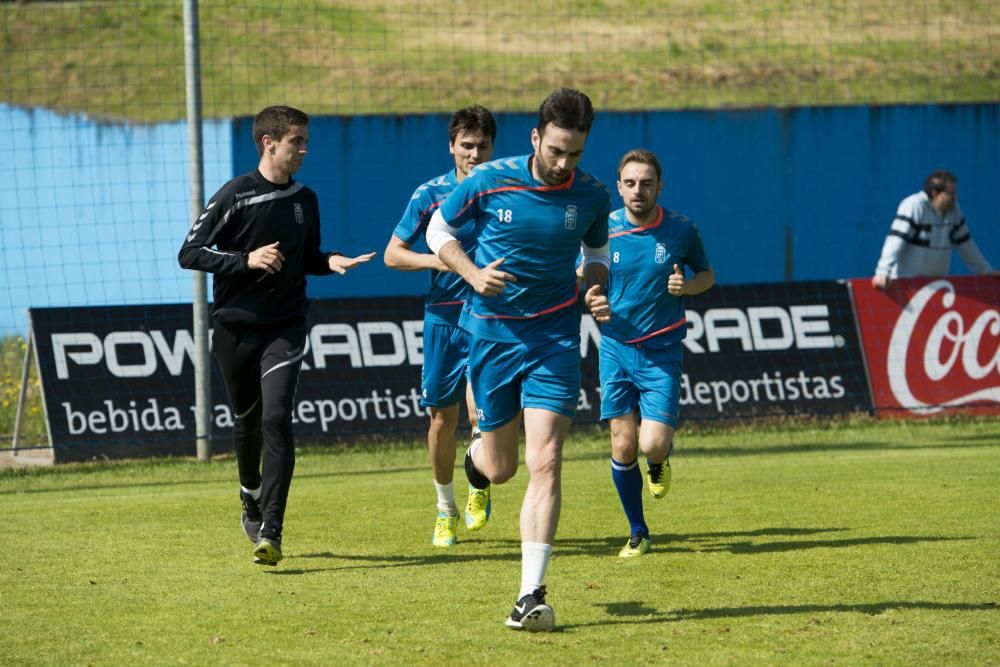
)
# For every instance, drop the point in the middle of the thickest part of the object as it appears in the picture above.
(730, 542)
(626, 611)
(372, 562)
(805, 448)
(121, 485)
(692, 543)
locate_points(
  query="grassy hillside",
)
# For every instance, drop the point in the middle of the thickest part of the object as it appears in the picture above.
(125, 58)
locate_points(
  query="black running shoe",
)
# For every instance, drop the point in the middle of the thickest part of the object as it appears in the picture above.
(268, 546)
(267, 551)
(252, 518)
(532, 614)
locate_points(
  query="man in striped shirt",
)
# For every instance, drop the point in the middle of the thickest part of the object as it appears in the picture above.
(927, 226)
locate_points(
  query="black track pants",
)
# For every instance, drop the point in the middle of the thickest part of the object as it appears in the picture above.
(260, 367)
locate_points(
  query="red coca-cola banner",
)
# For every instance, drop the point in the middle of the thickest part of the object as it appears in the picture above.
(932, 345)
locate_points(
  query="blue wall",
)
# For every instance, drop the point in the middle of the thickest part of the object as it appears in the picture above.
(828, 179)
(93, 213)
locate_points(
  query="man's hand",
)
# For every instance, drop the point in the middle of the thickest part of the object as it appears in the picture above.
(490, 280)
(597, 303)
(266, 257)
(881, 282)
(675, 283)
(340, 264)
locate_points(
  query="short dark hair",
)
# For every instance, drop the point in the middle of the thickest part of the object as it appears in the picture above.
(275, 123)
(643, 156)
(472, 119)
(566, 108)
(939, 181)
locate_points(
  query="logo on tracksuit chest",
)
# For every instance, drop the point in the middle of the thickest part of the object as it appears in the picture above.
(299, 214)
(570, 219)
(660, 254)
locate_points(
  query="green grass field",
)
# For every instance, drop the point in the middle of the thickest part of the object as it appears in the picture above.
(125, 58)
(835, 543)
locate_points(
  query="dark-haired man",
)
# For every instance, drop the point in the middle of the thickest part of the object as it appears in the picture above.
(471, 133)
(260, 236)
(533, 213)
(928, 224)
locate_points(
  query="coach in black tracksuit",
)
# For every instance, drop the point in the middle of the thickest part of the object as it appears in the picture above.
(260, 236)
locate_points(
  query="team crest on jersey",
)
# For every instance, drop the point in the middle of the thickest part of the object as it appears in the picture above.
(570, 220)
(661, 254)
(299, 216)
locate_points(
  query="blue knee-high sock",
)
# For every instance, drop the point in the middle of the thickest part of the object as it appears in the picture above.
(628, 481)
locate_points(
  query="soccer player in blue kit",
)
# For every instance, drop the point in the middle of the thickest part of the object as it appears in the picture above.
(641, 350)
(471, 133)
(533, 214)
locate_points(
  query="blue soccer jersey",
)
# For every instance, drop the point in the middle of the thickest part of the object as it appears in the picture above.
(448, 292)
(538, 229)
(642, 259)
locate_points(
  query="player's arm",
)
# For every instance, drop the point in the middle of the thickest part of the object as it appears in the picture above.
(399, 255)
(441, 239)
(595, 249)
(696, 258)
(678, 285)
(198, 251)
(317, 262)
(594, 269)
(320, 263)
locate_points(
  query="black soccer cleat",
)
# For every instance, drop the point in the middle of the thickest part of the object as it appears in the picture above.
(268, 546)
(252, 517)
(532, 614)
(267, 552)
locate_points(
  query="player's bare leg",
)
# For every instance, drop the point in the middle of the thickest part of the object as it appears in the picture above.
(497, 458)
(624, 437)
(544, 433)
(441, 446)
(441, 442)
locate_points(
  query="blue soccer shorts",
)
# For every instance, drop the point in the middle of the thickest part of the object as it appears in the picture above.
(507, 377)
(637, 377)
(446, 360)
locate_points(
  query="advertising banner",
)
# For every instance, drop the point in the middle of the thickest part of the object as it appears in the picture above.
(761, 349)
(118, 381)
(932, 344)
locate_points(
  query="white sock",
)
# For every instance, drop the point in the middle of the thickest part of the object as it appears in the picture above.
(534, 562)
(446, 498)
(253, 493)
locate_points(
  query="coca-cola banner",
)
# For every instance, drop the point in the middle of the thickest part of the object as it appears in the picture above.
(932, 344)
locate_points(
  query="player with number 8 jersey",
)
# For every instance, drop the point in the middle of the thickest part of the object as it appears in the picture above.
(640, 352)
